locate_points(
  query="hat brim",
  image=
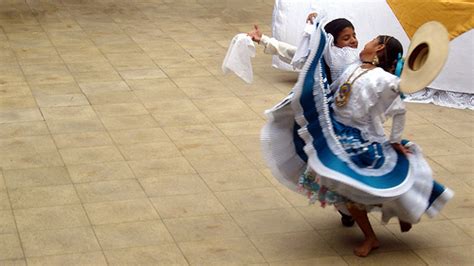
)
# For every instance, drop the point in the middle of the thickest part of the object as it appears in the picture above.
(425, 58)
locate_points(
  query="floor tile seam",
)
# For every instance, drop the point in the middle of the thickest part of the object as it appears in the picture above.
(61, 254)
(62, 228)
(187, 157)
(175, 242)
(271, 179)
(438, 165)
(464, 231)
(62, 59)
(180, 152)
(407, 243)
(67, 184)
(99, 117)
(210, 190)
(440, 128)
(196, 216)
(314, 228)
(247, 236)
(67, 253)
(74, 186)
(200, 63)
(47, 207)
(90, 226)
(77, 194)
(25, 79)
(102, 181)
(120, 147)
(134, 247)
(201, 179)
(448, 154)
(250, 234)
(306, 219)
(414, 249)
(273, 188)
(346, 257)
(41, 185)
(193, 167)
(17, 232)
(139, 246)
(113, 224)
(124, 160)
(135, 174)
(137, 197)
(244, 237)
(144, 199)
(137, 44)
(75, 81)
(254, 238)
(149, 200)
(35, 135)
(223, 205)
(229, 213)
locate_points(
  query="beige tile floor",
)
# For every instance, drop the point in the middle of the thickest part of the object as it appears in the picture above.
(122, 142)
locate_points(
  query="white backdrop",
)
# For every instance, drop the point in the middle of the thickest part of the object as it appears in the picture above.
(372, 18)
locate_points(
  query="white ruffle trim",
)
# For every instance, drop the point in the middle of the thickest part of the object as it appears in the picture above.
(451, 99)
(439, 203)
(278, 149)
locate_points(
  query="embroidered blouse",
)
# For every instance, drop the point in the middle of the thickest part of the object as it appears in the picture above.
(374, 98)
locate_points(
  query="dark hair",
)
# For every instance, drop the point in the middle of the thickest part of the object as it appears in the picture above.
(388, 57)
(336, 26)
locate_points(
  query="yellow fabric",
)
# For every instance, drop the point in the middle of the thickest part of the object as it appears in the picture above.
(456, 15)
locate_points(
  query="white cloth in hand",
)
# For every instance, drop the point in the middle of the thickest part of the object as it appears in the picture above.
(303, 49)
(238, 57)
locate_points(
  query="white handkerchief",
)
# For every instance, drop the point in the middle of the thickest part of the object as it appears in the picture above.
(238, 57)
(303, 49)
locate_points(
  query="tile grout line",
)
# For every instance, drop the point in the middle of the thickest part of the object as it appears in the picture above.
(18, 237)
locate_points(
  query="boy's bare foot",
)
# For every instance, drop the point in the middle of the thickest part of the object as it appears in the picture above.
(368, 245)
(404, 226)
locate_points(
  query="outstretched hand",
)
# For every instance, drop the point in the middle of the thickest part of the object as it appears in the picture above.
(400, 148)
(311, 17)
(255, 34)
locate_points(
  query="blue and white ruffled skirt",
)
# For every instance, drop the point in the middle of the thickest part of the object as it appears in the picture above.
(301, 133)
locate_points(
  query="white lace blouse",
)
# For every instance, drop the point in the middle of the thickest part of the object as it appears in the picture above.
(374, 98)
(337, 58)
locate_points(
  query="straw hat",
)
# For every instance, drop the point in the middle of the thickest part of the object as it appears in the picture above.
(426, 56)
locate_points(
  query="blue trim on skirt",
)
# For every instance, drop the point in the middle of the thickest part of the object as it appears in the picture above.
(324, 153)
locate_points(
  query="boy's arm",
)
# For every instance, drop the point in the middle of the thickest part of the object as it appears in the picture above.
(272, 46)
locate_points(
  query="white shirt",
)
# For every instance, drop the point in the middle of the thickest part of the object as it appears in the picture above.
(374, 97)
(272, 46)
(338, 59)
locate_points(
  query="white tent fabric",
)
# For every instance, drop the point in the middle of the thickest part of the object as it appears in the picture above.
(374, 17)
(370, 18)
(288, 23)
(459, 69)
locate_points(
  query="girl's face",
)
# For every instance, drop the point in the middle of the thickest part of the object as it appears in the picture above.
(347, 38)
(371, 49)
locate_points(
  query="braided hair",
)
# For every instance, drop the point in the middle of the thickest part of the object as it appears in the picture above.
(389, 55)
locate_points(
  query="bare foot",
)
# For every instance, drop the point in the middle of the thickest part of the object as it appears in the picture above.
(404, 226)
(368, 245)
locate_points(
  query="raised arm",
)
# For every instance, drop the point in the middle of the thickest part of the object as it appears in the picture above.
(272, 46)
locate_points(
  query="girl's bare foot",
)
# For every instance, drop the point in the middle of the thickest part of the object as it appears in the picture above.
(368, 245)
